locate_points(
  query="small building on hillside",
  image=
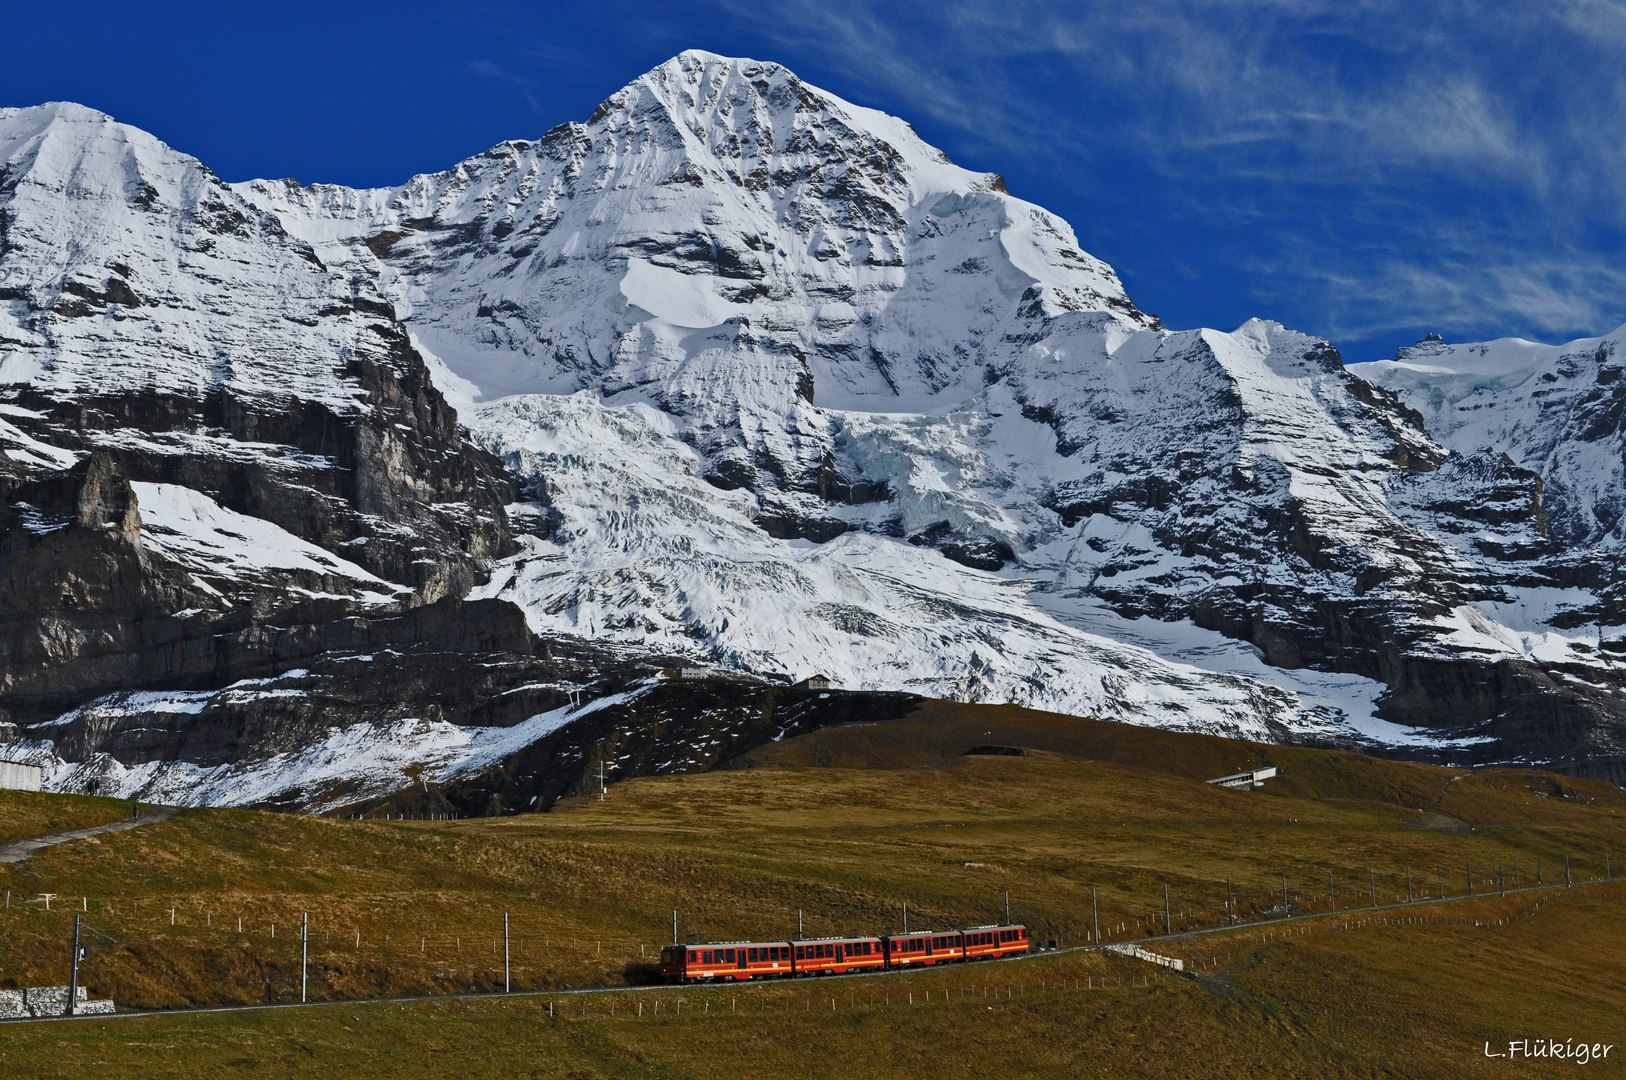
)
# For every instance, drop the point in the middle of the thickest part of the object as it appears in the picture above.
(1246, 781)
(815, 682)
(16, 776)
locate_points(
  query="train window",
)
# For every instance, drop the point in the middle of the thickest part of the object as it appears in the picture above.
(801, 952)
(730, 956)
(753, 957)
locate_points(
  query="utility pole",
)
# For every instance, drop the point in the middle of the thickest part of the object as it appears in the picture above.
(1468, 872)
(799, 921)
(304, 950)
(1230, 908)
(1007, 907)
(601, 778)
(506, 985)
(1566, 871)
(1285, 912)
(73, 969)
(906, 916)
(1095, 912)
(1408, 885)
(674, 926)
(1372, 878)
(1168, 920)
(1440, 870)
(1332, 894)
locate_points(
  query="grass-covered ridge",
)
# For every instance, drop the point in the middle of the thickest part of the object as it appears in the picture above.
(27, 814)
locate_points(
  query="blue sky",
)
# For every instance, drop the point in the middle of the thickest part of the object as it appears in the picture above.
(1364, 170)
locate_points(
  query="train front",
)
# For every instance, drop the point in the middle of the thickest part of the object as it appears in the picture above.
(674, 963)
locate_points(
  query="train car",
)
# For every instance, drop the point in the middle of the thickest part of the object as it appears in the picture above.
(838, 956)
(737, 960)
(928, 947)
(742, 960)
(993, 942)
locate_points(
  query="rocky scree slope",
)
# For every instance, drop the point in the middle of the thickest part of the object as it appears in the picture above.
(754, 377)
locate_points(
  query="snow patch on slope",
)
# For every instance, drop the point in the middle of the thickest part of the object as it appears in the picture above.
(196, 531)
(350, 765)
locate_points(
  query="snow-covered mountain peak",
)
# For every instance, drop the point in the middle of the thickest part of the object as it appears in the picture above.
(63, 150)
(1554, 409)
(742, 114)
(120, 256)
(766, 382)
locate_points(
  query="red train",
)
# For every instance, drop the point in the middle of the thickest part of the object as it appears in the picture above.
(742, 960)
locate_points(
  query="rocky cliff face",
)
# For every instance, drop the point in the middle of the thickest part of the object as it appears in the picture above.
(754, 377)
(206, 431)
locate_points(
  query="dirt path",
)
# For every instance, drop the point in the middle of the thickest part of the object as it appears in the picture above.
(17, 850)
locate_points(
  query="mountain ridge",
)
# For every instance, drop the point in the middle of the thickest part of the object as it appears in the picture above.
(739, 372)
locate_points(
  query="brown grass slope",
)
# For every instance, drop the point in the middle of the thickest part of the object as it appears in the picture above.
(1104, 807)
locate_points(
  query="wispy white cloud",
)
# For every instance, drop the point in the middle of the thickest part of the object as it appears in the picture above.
(1459, 164)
